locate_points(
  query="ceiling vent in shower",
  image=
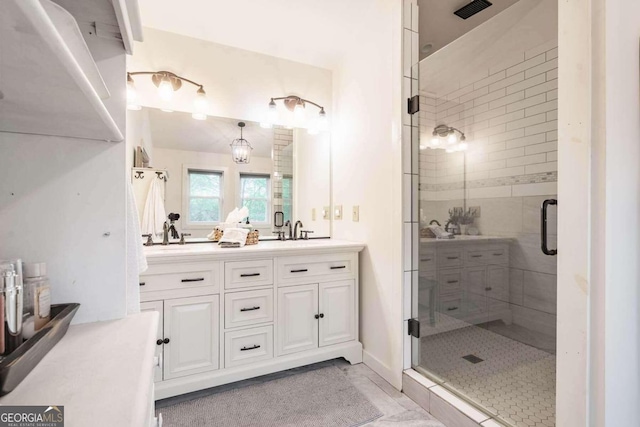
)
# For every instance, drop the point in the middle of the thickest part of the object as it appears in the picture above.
(472, 8)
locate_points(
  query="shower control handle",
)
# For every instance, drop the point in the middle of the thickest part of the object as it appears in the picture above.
(543, 228)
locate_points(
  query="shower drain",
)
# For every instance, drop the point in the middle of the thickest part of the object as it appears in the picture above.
(472, 358)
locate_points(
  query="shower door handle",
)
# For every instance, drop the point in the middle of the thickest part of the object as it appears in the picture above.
(543, 227)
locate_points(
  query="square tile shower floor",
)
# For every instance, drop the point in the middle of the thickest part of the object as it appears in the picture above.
(513, 380)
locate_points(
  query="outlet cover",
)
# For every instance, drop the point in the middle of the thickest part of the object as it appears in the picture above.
(337, 212)
(356, 214)
(326, 212)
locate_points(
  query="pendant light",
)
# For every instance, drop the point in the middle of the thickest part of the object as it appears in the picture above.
(240, 148)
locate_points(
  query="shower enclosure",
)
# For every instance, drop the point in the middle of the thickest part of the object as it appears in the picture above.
(486, 294)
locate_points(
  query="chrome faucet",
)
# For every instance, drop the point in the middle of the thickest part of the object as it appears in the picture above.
(288, 224)
(165, 233)
(295, 230)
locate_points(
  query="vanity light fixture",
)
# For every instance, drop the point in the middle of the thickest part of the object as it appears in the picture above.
(240, 148)
(297, 106)
(167, 83)
(448, 137)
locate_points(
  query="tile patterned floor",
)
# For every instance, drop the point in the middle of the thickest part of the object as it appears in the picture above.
(514, 380)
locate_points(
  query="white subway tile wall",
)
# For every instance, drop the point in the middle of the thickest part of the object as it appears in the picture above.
(509, 116)
(282, 163)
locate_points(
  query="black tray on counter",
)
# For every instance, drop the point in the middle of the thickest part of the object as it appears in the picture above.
(16, 366)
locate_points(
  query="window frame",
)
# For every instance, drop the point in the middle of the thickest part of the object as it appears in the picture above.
(269, 198)
(186, 195)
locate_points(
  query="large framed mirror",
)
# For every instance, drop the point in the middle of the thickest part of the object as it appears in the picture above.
(288, 171)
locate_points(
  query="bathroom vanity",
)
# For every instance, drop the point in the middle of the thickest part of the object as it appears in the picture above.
(463, 281)
(231, 314)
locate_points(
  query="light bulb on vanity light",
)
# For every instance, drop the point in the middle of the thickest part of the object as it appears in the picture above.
(298, 113)
(132, 95)
(200, 105)
(272, 114)
(165, 89)
(435, 141)
(452, 138)
(323, 122)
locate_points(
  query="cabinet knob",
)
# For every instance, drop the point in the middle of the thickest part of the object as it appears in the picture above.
(166, 341)
(159, 342)
(317, 316)
(322, 315)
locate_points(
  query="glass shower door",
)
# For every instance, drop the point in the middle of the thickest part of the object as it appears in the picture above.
(486, 293)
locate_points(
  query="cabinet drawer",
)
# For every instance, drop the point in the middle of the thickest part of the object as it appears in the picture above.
(179, 281)
(450, 281)
(498, 256)
(427, 261)
(302, 269)
(242, 274)
(248, 346)
(491, 256)
(451, 305)
(248, 308)
(450, 258)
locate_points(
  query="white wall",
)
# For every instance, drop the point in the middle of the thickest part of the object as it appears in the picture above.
(622, 300)
(60, 195)
(367, 171)
(175, 160)
(239, 83)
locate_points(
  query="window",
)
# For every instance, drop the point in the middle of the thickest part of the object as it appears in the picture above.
(255, 194)
(205, 196)
(287, 196)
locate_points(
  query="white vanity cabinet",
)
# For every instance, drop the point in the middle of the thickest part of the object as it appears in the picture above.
(232, 314)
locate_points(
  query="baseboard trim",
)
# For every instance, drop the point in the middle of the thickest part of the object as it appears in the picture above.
(383, 370)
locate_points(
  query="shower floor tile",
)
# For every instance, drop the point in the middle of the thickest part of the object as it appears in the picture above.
(513, 380)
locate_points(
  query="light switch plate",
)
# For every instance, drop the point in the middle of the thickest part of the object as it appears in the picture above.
(356, 214)
(337, 212)
(313, 214)
(326, 212)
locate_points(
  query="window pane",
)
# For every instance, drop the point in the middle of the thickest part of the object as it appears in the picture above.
(286, 188)
(254, 187)
(204, 210)
(205, 184)
(287, 211)
(257, 210)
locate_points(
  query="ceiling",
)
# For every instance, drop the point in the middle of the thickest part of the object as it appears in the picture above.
(179, 131)
(308, 31)
(438, 25)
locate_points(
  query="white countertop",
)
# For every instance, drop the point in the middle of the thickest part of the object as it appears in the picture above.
(265, 247)
(466, 239)
(100, 372)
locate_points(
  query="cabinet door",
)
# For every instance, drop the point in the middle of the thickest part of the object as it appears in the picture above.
(337, 312)
(191, 327)
(156, 306)
(297, 325)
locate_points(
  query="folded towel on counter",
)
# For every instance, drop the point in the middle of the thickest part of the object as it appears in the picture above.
(234, 238)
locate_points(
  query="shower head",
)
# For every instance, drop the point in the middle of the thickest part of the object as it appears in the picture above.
(466, 12)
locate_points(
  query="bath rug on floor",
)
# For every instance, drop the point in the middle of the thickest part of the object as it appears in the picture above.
(322, 397)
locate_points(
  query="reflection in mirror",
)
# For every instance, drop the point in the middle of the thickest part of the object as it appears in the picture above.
(287, 177)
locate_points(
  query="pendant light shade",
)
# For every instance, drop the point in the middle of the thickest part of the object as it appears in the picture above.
(200, 105)
(240, 148)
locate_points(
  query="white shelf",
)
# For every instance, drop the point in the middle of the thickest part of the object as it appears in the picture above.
(48, 78)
